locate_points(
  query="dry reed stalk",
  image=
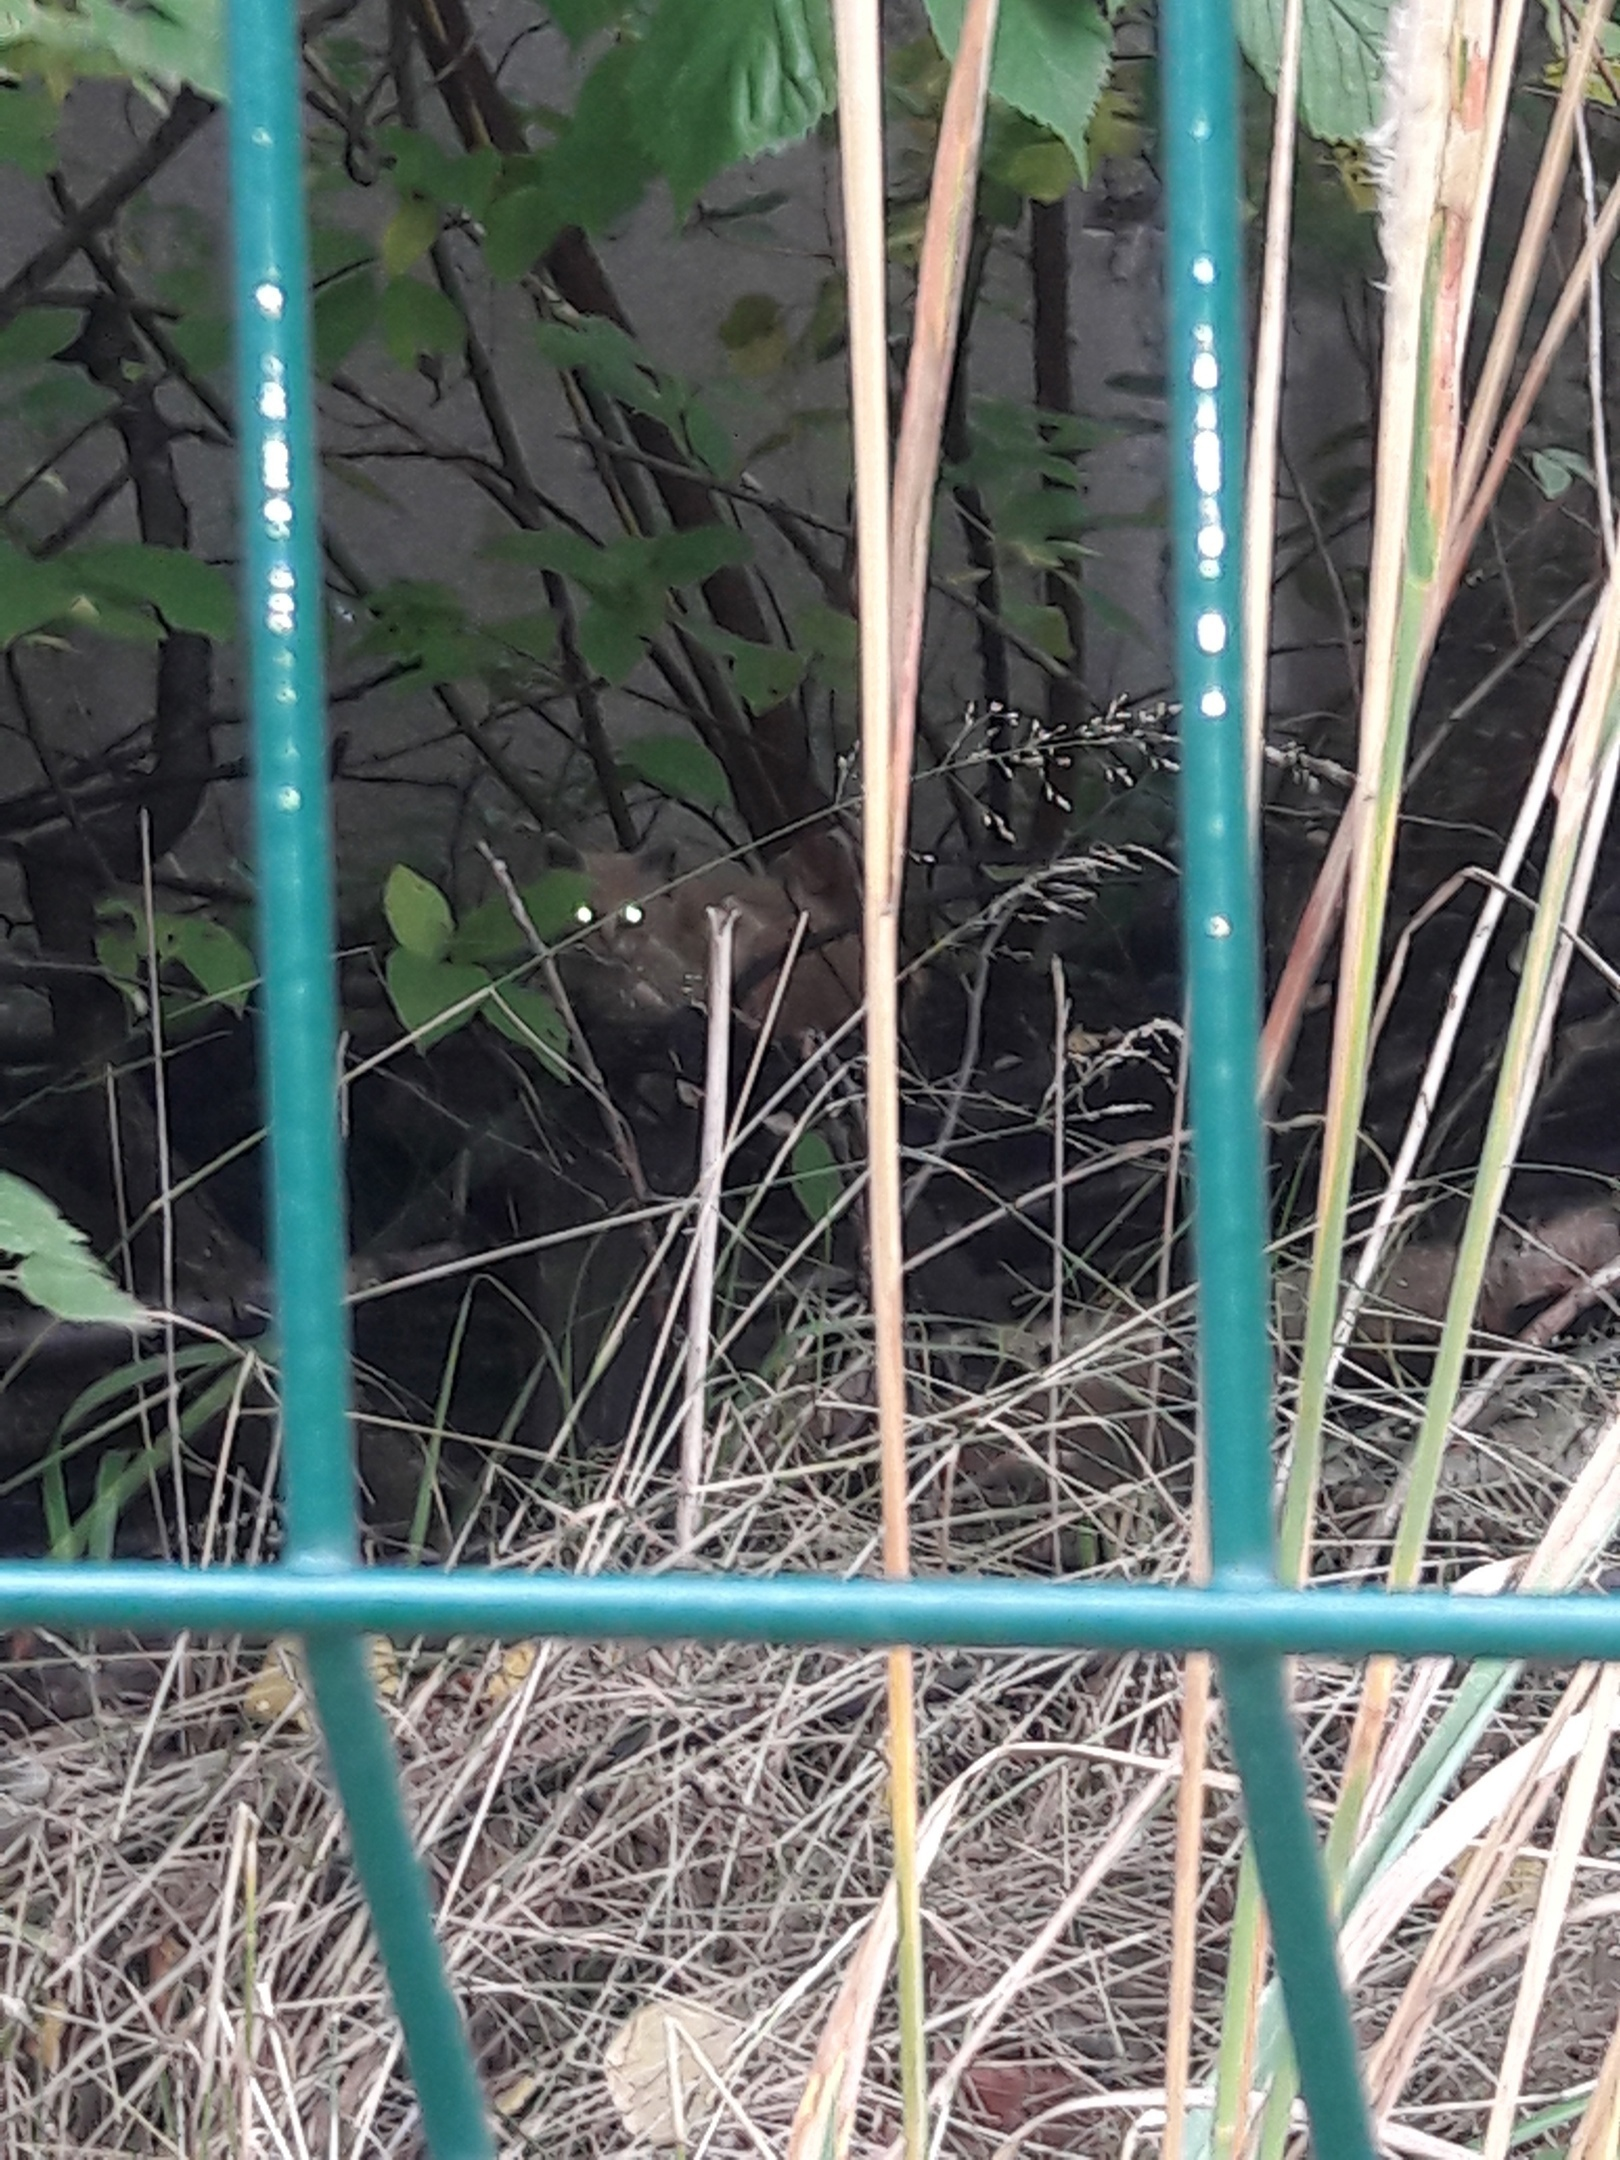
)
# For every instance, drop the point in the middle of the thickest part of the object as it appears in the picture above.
(1486, 1868)
(1597, 2134)
(1552, 1906)
(706, 1235)
(860, 106)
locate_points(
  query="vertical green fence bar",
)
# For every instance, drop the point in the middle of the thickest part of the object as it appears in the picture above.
(282, 602)
(1204, 279)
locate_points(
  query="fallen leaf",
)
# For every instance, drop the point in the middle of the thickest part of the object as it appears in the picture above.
(658, 2083)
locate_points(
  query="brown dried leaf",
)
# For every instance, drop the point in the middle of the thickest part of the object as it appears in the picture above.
(658, 2066)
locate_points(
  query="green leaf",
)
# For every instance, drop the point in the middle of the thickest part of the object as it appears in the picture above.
(57, 1271)
(1341, 61)
(570, 553)
(1031, 161)
(424, 990)
(158, 46)
(215, 958)
(187, 592)
(534, 636)
(29, 1223)
(31, 594)
(528, 1018)
(412, 230)
(680, 767)
(418, 913)
(613, 638)
(766, 674)
(832, 642)
(596, 173)
(1554, 470)
(1051, 61)
(38, 334)
(1044, 627)
(689, 558)
(620, 366)
(453, 180)
(519, 227)
(75, 1286)
(556, 904)
(419, 318)
(425, 624)
(203, 341)
(709, 440)
(28, 117)
(755, 335)
(718, 81)
(345, 311)
(816, 1178)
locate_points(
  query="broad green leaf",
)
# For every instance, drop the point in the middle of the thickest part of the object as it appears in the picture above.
(709, 440)
(766, 674)
(424, 991)
(755, 335)
(680, 767)
(419, 318)
(38, 333)
(453, 179)
(534, 636)
(616, 360)
(718, 81)
(613, 637)
(120, 956)
(831, 641)
(1044, 627)
(187, 592)
(570, 553)
(1051, 61)
(528, 1018)
(518, 227)
(418, 913)
(816, 1178)
(1554, 470)
(75, 1286)
(333, 249)
(215, 958)
(203, 341)
(30, 1223)
(1341, 61)
(425, 624)
(158, 46)
(31, 594)
(412, 230)
(345, 311)
(1031, 161)
(28, 117)
(688, 558)
(595, 174)
(556, 903)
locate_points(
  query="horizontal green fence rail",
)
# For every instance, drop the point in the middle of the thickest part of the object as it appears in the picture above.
(319, 1591)
(964, 1613)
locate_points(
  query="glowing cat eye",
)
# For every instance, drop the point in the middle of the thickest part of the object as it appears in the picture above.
(584, 913)
(632, 914)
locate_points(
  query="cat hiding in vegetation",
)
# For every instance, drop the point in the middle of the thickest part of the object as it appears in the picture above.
(645, 959)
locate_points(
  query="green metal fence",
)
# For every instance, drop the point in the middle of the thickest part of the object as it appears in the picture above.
(320, 1591)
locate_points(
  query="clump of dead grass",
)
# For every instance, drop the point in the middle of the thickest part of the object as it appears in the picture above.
(188, 1967)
